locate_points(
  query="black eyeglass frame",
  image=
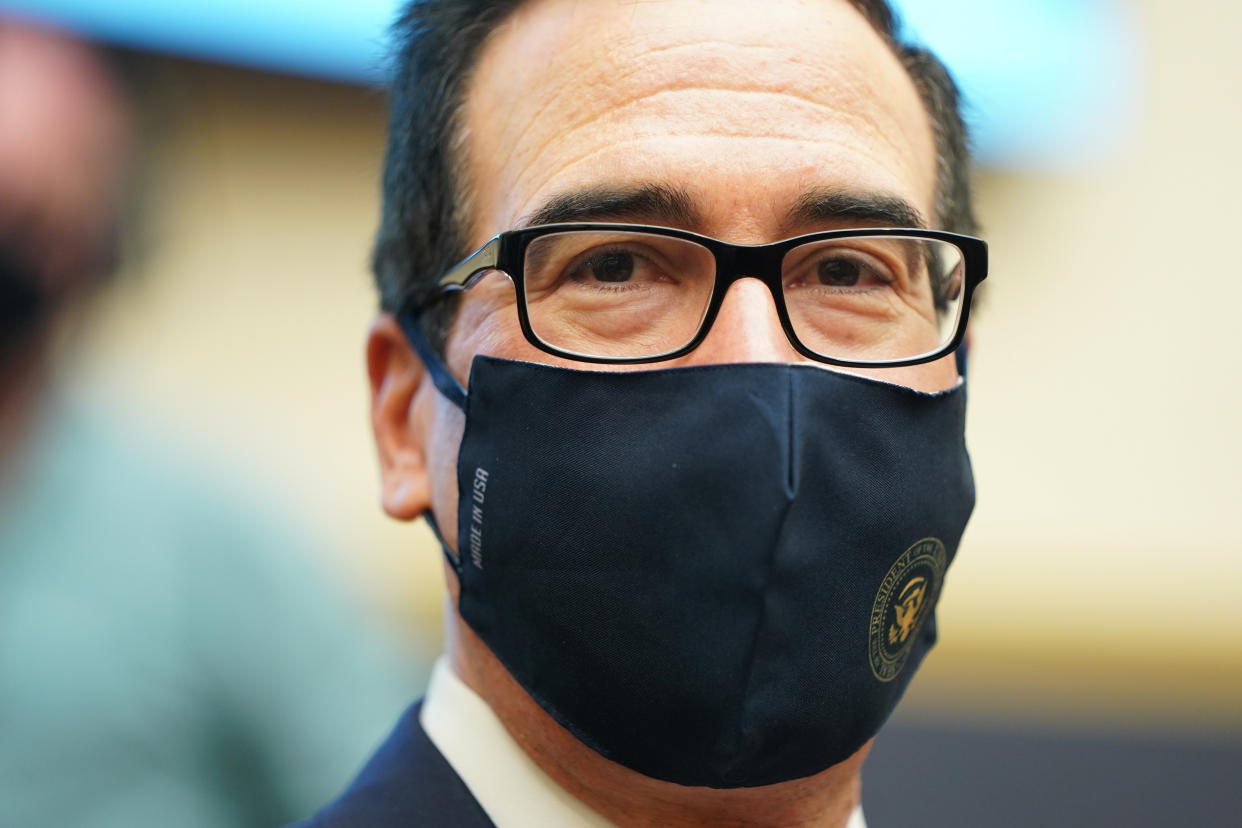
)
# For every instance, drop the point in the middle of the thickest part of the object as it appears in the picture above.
(506, 252)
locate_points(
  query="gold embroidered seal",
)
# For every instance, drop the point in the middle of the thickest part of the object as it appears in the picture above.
(903, 602)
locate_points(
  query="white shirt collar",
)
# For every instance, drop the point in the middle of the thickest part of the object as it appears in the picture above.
(508, 785)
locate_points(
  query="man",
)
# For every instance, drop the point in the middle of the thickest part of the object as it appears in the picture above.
(168, 654)
(690, 427)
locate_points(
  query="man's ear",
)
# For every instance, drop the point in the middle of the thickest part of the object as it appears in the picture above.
(397, 383)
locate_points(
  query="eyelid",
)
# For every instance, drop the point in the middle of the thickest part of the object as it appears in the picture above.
(883, 272)
(616, 245)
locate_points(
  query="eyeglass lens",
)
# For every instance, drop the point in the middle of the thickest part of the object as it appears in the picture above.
(632, 294)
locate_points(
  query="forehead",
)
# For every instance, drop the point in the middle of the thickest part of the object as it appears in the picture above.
(743, 106)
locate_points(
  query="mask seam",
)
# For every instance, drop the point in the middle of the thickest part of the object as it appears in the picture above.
(738, 736)
(791, 479)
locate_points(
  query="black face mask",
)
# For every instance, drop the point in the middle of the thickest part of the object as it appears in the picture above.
(720, 575)
(23, 303)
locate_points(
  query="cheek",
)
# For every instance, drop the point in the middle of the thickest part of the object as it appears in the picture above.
(487, 337)
(487, 323)
(442, 467)
(929, 377)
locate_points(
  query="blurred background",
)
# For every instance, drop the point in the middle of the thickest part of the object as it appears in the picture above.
(1090, 664)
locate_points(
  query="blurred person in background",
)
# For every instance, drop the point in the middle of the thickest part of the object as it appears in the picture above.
(691, 593)
(168, 654)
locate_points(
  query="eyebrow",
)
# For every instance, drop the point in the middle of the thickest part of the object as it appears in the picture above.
(673, 207)
(819, 206)
(644, 204)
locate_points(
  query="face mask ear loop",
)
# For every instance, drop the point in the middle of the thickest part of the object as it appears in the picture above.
(960, 357)
(447, 385)
(443, 378)
(452, 557)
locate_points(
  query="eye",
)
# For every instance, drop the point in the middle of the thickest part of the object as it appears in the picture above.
(838, 272)
(617, 267)
(606, 266)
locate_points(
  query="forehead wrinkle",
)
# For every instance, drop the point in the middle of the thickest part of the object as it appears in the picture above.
(585, 158)
(839, 90)
(835, 119)
(755, 128)
(591, 81)
(614, 71)
(608, 80)
(556, 85)
(617, 111)
(876, 127)
(852, 96)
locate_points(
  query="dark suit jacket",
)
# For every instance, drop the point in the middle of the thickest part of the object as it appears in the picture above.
(407, 783)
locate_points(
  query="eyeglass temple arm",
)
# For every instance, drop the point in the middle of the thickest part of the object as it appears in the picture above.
(484, 258)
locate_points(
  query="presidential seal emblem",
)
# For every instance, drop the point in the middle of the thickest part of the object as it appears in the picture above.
(903, 602)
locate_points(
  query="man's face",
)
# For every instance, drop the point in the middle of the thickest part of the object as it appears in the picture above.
(64, 143)
(748, 109)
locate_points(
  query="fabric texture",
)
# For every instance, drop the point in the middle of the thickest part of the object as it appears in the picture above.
(719, 575)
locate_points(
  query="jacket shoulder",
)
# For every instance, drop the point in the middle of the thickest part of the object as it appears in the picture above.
(407, 782)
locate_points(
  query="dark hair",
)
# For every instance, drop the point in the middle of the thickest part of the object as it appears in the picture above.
(423, 227)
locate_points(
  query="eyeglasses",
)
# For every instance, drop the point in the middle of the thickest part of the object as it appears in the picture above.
(624, 293)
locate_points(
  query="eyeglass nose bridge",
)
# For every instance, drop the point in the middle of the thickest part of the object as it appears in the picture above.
(761, 262)
(735, 262)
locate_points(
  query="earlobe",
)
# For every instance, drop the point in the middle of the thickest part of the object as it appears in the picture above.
(398, 380)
